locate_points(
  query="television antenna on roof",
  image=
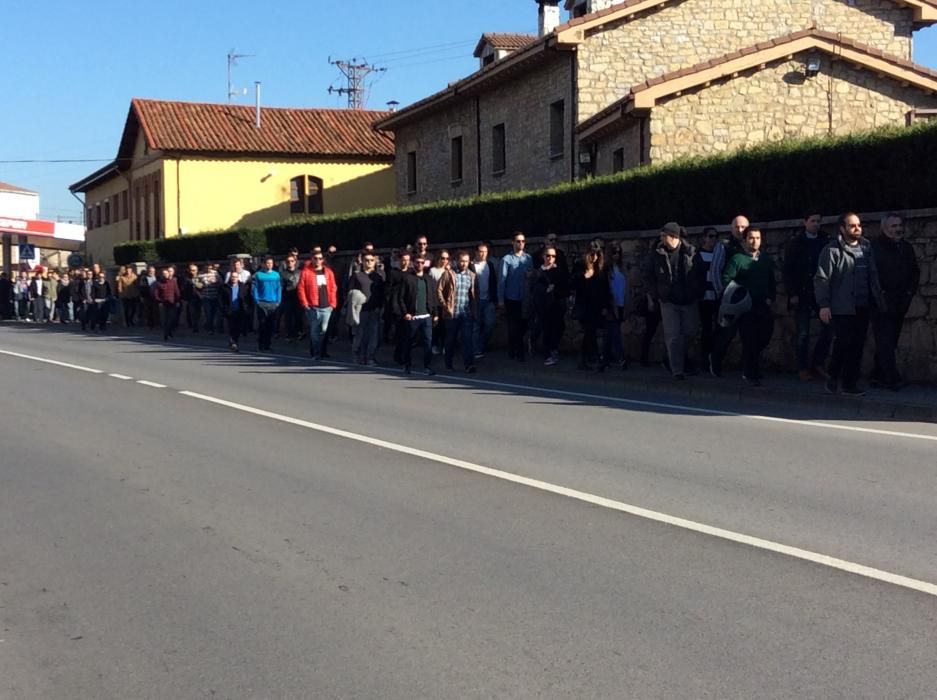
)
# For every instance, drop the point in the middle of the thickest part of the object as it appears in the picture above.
(232, 61)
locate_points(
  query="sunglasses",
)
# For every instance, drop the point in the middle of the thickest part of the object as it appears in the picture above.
(549, 255)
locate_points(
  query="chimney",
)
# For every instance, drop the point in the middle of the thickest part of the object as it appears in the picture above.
(393, 105)
(549, 16)
(257, 104)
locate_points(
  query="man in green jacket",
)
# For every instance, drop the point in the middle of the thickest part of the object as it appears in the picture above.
(754, 270)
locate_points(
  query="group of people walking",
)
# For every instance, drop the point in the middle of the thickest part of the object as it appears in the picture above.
(447, 304)
(835, 287)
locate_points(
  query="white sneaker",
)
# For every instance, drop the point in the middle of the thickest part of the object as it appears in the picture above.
(550, 361)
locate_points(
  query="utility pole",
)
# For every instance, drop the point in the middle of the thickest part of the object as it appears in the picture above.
(355, 73)
(232, 61)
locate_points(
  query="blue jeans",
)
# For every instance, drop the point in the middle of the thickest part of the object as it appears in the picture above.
(318, 324)
(464, 326)
(612, 350)
(804, 317)
(485, 324)
(419, 331)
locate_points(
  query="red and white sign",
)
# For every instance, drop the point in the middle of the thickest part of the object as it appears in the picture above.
(28, 227)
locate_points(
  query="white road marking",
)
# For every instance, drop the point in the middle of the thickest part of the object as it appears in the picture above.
(52, 362)
(565, 394)
(720, 533)
(151, 384)
(120, 376)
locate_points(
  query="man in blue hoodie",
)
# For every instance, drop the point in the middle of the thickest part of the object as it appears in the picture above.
(267, 293)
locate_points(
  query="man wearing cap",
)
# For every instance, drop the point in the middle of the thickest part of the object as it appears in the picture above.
(672, 280)
(898, 276)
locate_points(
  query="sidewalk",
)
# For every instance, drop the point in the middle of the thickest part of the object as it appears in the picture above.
(916, 402)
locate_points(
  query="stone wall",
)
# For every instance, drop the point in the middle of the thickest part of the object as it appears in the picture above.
(686, 32)
(778, 102)
(523, 106)
(918, 346)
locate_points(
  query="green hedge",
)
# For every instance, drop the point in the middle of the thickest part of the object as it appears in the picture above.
(886, 169)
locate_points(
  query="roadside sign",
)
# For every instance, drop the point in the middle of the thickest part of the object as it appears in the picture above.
(75, 260)
(27, 251)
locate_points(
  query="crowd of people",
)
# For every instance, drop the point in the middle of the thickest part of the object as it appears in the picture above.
(443, 303)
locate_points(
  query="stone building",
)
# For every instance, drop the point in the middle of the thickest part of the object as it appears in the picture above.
(627, 83)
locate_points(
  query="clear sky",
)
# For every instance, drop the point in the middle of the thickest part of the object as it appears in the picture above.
(71, 68)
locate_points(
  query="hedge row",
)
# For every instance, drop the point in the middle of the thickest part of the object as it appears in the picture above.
(874, 171)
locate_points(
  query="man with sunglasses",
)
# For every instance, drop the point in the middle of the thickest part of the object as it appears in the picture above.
(318, 296)
(512, 289)
(898, 276)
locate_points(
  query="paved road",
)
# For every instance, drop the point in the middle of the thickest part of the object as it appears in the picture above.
(165, 545)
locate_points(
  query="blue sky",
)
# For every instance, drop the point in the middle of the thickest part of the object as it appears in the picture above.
(72, 68)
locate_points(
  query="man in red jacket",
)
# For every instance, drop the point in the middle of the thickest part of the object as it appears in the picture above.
(318, 296)
(167, 295)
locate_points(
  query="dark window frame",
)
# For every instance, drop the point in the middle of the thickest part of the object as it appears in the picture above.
(557, 129)
(499, 155)
(456, 160)
(412, 182)
(618, 160)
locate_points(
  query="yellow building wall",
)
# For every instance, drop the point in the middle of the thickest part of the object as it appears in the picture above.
(100, 242)
(215, 194)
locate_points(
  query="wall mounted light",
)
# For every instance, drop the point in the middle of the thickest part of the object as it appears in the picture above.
(812, 67)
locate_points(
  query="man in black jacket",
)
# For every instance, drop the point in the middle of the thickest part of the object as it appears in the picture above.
(672, 281)
(415, 304)
(800, 265)
(898, 276)
(6, 296)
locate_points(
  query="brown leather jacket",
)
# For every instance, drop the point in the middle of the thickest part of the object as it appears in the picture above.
(445, 294)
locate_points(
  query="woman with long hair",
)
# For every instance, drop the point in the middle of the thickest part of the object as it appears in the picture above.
(593, 303)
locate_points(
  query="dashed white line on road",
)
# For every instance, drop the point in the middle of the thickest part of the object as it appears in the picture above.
(702, 528)
(154, 385)
(120, 376)
(51, 362)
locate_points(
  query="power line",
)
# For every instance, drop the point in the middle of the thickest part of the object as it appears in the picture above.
(56, 160)
(421, 49)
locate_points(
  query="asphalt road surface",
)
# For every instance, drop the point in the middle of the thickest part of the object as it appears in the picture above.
(241, 526)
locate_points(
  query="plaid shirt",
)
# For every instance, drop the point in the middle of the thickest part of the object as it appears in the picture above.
(463, 287)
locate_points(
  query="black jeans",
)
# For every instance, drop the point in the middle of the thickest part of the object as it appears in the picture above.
(291, 314)
(418, 332)
(708, 313)
(804, 317)
(551, 320)
(722, 339)
(652, 321)
(589, 351)
(517, 328)
(848, 343)
(130, 311)
(169, 317)
(887, 330)
(236, 319)
(266, 320)
(755, 328)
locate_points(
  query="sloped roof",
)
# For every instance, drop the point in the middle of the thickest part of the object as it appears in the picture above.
(6, 187)
(925, 12)
(504, 41)
(193, 127)
(644, 95)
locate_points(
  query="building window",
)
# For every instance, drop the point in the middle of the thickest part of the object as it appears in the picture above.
(314, 204)
(455, 160)
(97, 215)
(298, 194)
(488, 60)
(557, 129)
(89, 217)
(498, 156)
(306, 195)
(411, 172)
(618, 160)
(107, 212)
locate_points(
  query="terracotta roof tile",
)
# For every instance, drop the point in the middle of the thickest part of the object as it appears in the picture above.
(6, 187)
(506, 41)
(220, 128)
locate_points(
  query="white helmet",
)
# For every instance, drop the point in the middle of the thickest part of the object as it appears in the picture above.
(736, 301)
